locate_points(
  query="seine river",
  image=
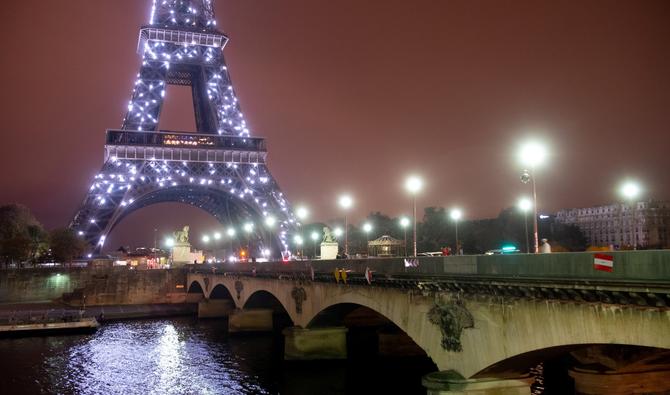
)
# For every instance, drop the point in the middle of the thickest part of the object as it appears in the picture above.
(187, 356)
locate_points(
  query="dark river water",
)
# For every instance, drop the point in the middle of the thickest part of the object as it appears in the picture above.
(187, 356)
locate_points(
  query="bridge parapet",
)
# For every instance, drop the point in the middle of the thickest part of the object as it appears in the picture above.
(638, 278)
(628, 266)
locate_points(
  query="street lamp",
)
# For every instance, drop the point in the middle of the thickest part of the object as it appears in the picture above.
(367, 228)
(338, 232)
(205, 239)
(630, 190)
(346, 202)
(404, 223)
(302, 212)
(298, 241)
(456, 215)
(414, 185)
(231, 233)
(532, 154)
(270, 221)
(315, 237)
(169, 243)
(525, 205)
(217, 236)
(248, 228)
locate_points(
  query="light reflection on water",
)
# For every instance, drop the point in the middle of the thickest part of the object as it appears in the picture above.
(143, 357)
(187, 356)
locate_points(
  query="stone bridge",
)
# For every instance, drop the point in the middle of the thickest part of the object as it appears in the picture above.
(484, 321)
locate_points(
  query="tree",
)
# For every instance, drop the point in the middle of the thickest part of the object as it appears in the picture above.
(569, 237)
(21, 235)
(65, 245)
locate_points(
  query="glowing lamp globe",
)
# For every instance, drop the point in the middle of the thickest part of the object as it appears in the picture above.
(525, 204)
(630, 190)
(302, 212)
(345, 201)
(414, 184)
(532, 154)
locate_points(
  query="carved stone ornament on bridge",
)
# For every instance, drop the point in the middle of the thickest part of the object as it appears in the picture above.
(299, 295)
(238, 288)
(452, 317)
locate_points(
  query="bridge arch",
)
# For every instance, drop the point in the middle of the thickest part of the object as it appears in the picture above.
(220, 291)
(195, 288)
(224, 206)
(370, 332)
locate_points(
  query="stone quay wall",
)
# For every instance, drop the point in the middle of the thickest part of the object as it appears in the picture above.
(97, 286)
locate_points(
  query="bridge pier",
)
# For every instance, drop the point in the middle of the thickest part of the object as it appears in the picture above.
(250, 320)
(452, 383)
(317, 343)
(215, 308)
(589, 382)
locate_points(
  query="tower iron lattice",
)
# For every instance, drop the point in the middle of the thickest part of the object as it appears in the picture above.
(220, 168)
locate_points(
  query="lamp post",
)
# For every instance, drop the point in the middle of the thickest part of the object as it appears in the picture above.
(299, 241)
(231, 233)
(367, 228)
(302, 212)
(532, 154)
(404, 223)
(315, 237)
(630, 190)
(414, 184)
(248, 228)
(346, 202)
(270, 222)
(525, 205)
(169, 243)
(338, 232)
(456, 215)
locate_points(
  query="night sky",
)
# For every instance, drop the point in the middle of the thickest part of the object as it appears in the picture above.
(354, 96)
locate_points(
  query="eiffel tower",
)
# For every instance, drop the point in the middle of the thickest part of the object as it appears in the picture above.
(220, 168)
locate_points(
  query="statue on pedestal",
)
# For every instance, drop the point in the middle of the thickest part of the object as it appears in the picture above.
(181, 251)
(328, 236)
(181, 236)
(329, 245)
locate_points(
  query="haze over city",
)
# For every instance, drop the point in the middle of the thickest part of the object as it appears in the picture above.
(355, 96)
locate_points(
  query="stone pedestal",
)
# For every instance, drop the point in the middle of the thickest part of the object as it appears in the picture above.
(452, 383)
(182, 254)
(592, 383)
(250, 320)
(329, 250)
(215, 308)
(312, 344)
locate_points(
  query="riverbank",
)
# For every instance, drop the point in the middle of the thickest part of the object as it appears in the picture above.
(46, 309)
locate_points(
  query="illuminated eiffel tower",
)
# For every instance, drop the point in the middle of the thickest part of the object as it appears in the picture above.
(220, 168)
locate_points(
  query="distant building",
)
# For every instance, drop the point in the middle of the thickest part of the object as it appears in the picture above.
(386, 246)
(644, 224)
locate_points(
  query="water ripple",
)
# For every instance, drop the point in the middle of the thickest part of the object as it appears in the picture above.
(145, 357)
